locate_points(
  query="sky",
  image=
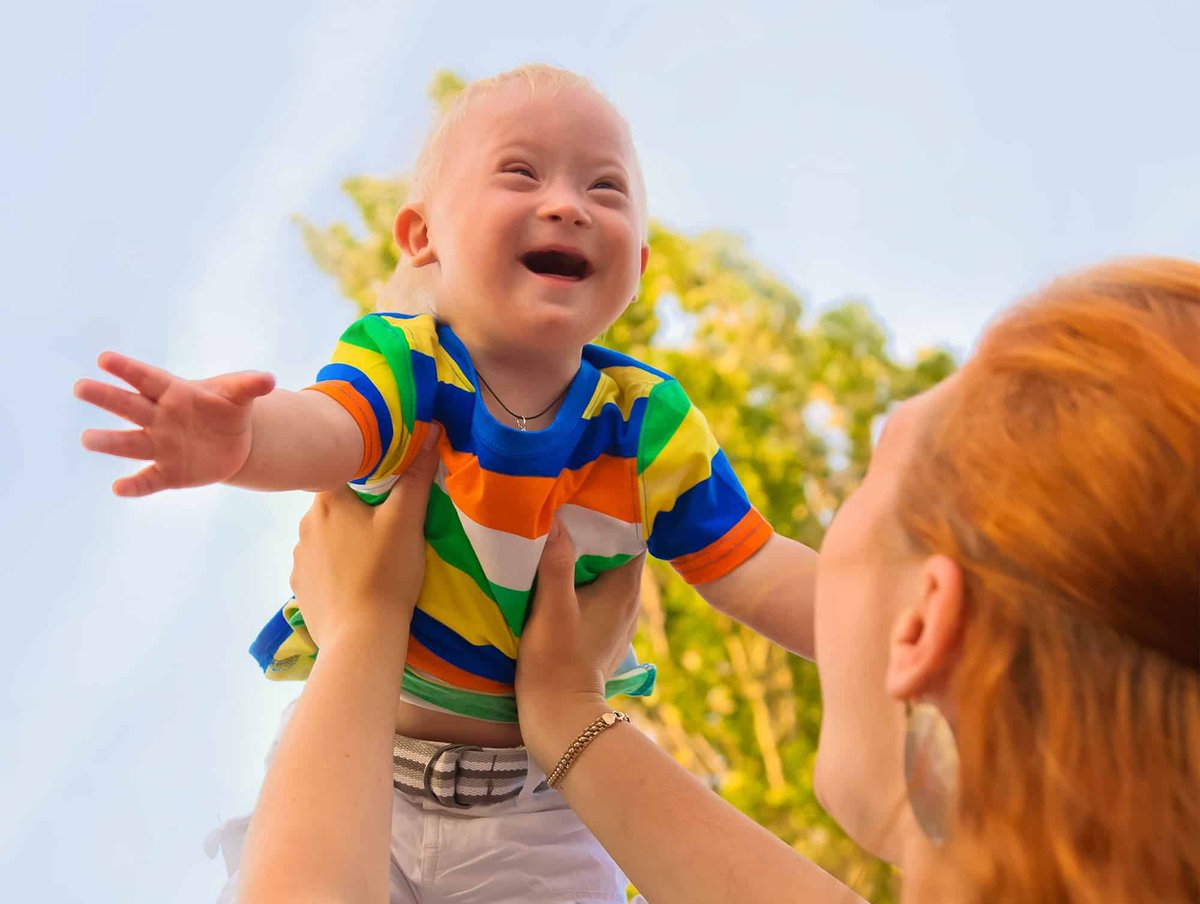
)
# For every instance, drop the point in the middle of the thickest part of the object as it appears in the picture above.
(936, 160)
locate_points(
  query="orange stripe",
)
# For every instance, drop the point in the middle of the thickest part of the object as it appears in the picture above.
(720, 557)
(421, 658)
(523, 506)
(420, 431)
(359, 409)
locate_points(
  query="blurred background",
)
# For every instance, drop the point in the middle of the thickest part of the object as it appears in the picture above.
(843, 194)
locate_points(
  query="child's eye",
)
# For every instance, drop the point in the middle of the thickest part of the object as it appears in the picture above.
(518, 170)
(609, 185)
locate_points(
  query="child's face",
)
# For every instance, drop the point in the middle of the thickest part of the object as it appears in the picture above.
(536, 221)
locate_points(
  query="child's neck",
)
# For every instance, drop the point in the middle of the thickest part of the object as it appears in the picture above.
(520, 383)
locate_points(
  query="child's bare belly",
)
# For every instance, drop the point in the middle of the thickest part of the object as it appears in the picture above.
(431, 725)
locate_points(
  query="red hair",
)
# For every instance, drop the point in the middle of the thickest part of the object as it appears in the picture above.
(1063, 475)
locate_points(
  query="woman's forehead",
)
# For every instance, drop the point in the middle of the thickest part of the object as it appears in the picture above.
(905, 419)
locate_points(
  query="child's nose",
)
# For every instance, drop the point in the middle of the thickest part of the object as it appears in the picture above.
(564, 207)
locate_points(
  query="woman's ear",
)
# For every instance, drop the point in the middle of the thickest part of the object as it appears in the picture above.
(411, 231)
(926, 638)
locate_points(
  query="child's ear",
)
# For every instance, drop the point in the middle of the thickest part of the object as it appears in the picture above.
(411, 231)
(645, 258)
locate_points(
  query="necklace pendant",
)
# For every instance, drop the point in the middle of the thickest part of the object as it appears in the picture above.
(520, 423)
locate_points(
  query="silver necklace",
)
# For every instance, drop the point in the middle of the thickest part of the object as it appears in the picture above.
(521, 419)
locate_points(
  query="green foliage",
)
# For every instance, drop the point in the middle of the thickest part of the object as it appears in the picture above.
(794, 405)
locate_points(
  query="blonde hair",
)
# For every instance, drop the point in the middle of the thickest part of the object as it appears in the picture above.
(538, 78)
(1064, 477)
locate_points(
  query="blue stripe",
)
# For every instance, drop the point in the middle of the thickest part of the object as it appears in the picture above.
(425, 384)
(270, 639)
(454, 409)
(702, 515)
(608, 433)
(485, 661)
(364, 387)
(600, 357)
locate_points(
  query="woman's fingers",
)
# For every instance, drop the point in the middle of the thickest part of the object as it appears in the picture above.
(555, 606)
(409, 498)
(615, 595)
(609, 612)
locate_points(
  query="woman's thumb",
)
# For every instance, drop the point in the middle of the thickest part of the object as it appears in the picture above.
(554, 599)
(410, 494)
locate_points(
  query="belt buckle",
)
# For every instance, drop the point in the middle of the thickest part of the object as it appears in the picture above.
(427, 777)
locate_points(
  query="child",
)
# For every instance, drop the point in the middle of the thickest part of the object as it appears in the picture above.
(528, 216)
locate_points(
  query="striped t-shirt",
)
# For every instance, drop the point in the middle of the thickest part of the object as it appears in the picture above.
(628, 463)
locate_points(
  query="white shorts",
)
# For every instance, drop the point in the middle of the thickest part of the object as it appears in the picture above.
(530, 849)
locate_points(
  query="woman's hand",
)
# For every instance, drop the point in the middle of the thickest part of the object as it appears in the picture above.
(570, 645)
(357, 564)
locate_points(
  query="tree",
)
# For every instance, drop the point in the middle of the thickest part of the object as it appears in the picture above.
(794, 406)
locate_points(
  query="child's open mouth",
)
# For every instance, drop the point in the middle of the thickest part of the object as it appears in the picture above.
(558, 263)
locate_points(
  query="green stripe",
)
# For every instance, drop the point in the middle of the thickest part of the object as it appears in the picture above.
(514, 605)
(466, 703)
(445, 534)
(393, 345)
(666, 408)
(638, 682)
(588, 568)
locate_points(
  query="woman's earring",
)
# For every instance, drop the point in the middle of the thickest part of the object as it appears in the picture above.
(930, 768)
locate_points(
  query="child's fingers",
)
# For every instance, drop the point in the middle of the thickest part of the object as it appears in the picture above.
(242, 386)
(143, 483)
(149, 381)
(129, 405)
(123, 443)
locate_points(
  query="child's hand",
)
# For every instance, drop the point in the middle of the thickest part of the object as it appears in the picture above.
(195, 432)
(361, 566)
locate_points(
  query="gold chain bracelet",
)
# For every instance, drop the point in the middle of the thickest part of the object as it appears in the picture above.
(606, 721)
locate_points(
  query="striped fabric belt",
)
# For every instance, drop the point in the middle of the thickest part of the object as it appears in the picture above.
(458, 775)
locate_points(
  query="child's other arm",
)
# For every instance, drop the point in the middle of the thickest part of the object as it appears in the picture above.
(234, 428)
(302, 441)
(771, 592)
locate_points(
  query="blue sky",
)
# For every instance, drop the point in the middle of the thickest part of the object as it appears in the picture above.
(935, 159)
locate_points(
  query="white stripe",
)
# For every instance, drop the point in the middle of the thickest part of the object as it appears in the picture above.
(511, 561)
(597, 534)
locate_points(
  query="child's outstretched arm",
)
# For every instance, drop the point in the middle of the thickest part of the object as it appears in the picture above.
(234, 428)
(772, 592)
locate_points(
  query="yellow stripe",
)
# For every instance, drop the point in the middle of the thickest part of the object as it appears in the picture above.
(455, 600)
(622, 386)
(421, 333)
(685, 461)
(375, 366)
(449, 372)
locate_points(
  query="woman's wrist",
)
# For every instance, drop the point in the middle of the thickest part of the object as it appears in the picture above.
(381, 637)
(550, 722)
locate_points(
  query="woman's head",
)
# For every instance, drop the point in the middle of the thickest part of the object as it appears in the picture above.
(1032, 566)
